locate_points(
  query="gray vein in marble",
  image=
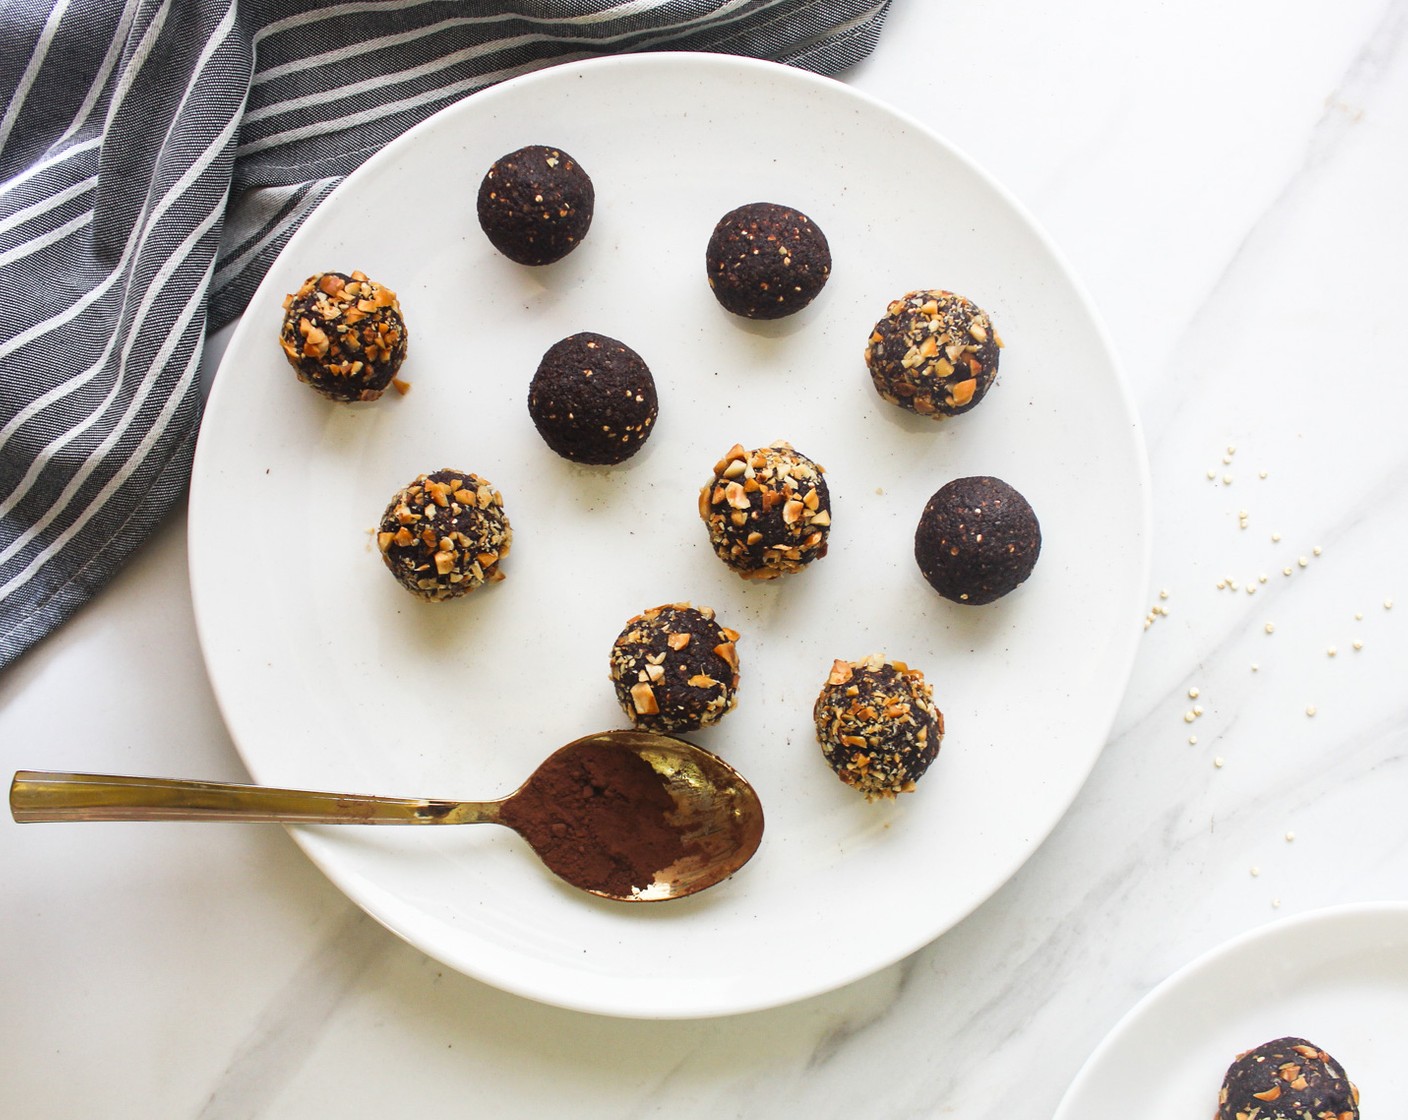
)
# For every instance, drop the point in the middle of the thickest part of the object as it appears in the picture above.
(275, 1050)
(1035, 978)
(1359, 756)
(1022, 988)
(1375, 742)
(837, 1039)
(1276, 787)
(1345, 761)
(1386, 489)
(1345, 106)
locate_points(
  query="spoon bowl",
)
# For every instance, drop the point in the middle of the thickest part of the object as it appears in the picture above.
(633, 816)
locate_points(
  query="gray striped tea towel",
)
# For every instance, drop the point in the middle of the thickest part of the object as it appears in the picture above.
(155, 155)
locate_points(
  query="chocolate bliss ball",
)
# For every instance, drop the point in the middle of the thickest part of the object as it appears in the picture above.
(593, 399)
(768, 511)
(934, 353)
(977, 539)
(766, 261)
(536, 204)
(675, 668)
(344, 335)
(1287, 1079)
(878, 726)
(445, 534)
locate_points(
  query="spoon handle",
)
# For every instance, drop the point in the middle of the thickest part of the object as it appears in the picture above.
(39, 795)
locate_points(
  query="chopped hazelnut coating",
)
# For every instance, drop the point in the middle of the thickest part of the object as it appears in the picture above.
(934, 353)
(675, 668)
(878, 726)
(1287, 1079)
(768, 511)
(344, 335)
(445, 534)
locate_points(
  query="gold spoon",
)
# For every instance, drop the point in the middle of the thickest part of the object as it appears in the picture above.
(628, 815)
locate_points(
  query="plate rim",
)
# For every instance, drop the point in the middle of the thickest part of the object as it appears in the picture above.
(709, 64)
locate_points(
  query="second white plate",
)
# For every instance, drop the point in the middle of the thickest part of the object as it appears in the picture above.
(1336, 977)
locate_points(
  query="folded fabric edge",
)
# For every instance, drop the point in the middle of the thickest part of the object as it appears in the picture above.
(60, 594)
(56, 592)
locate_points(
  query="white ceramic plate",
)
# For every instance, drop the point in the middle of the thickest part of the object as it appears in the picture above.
(331, 676)
(1336, 977)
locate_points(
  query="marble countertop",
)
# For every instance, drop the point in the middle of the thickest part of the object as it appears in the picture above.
(1228, 182)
